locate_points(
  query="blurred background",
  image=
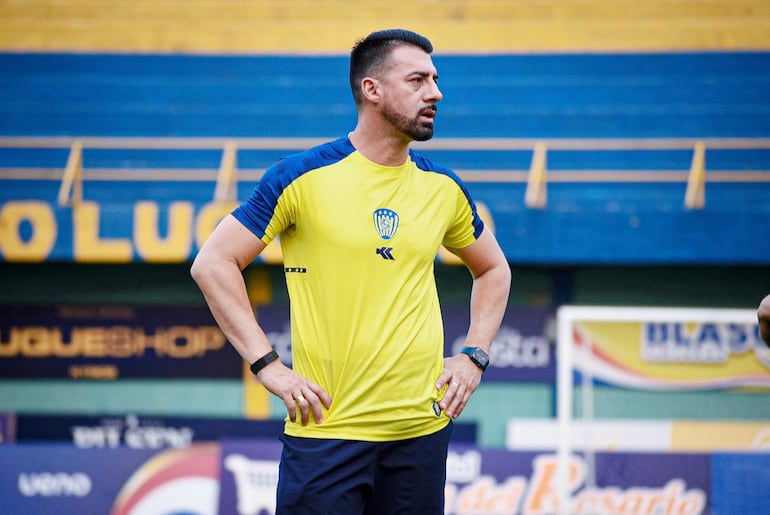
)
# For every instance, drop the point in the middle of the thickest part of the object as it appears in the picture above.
(619, 149)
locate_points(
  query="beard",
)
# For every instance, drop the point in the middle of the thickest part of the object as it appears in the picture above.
(411, 127)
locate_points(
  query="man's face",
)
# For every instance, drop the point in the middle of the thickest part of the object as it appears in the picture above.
(410, 93)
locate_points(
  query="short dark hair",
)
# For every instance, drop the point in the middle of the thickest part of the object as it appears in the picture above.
(369, 55)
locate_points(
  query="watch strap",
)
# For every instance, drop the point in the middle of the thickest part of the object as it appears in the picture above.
(264, 361)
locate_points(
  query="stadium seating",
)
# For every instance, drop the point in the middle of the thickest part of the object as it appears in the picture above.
(249, 26)
(552, 97)
(555, 71)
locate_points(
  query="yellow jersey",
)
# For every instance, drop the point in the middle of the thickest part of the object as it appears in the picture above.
(359, 242)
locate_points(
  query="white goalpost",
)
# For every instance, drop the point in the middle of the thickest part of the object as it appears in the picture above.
(573, 357)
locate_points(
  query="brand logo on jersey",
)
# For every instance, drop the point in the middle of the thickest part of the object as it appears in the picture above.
(385, 222)
(385, 252)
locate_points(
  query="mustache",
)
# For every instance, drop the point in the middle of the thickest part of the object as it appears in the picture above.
(429, 109)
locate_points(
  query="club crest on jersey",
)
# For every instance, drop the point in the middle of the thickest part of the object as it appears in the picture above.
(385, 222)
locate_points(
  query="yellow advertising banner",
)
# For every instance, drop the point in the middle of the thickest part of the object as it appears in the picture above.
(665, 353)
(634, 435)
(700, 436)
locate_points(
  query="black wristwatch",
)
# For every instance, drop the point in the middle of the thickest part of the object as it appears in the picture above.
(263, 362)
(478, 356)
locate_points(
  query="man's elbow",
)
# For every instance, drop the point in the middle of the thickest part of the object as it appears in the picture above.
(199, 268)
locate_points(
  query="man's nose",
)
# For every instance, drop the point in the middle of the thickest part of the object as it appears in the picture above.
(434, 93)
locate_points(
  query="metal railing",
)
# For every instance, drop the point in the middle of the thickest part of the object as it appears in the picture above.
(536, 177)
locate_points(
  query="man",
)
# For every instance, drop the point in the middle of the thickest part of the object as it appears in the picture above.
(370, 397)
(763, 317)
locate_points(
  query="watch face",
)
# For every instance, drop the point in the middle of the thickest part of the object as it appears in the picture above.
(481, 357)
(478, 356)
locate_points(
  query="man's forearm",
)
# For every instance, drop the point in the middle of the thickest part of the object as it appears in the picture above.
(489, 299)
(225, 293)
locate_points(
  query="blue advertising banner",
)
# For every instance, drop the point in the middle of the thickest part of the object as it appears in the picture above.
(248, 477)
(54, 478)
(111, 342)
(151, 223)
(130, 221)
(122, 222)
(153, 432)
(495, 482)
(523, 350)
(140, 432)
(238, 477)
(45, 479)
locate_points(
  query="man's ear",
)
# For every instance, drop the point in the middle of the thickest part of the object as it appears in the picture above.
(370, 88)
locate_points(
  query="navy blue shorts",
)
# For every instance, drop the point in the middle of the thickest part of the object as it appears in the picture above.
(344, 477)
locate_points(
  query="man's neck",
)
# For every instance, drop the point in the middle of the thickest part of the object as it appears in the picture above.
(384, 149)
